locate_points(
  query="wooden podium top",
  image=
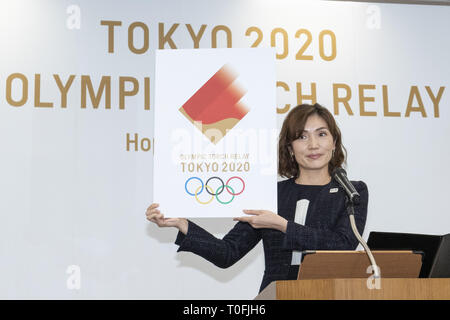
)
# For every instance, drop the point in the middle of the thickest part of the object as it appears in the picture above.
(358, 289)
(342, 275)
(353, 264)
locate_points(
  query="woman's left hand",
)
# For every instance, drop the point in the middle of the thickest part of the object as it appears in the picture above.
(264, 219)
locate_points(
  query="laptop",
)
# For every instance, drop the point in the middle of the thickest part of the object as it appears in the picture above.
(435, 248)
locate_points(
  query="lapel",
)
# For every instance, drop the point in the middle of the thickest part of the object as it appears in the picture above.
(326, 198)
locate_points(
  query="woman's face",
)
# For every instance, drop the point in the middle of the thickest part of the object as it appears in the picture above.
(314, 147)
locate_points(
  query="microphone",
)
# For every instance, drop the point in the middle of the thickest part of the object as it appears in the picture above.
(340, 176)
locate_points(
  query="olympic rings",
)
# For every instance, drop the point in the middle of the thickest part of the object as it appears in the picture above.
(207, 202)
(243, 186)
(221, 191)
(209, 190)
(223, 184)
(185, 185)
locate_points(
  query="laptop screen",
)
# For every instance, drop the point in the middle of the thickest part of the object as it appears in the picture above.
(428, 244)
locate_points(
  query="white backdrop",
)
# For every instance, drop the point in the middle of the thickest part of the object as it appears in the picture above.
(73, 196)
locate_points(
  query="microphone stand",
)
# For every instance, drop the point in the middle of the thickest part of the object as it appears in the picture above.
(351, 213)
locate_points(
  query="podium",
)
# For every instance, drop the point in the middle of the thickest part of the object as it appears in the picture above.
(357, 289)
(342, 275)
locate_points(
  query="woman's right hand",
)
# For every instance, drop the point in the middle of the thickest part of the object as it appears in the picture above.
(155, 216)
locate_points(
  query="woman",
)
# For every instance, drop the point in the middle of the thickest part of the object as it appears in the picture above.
(311, 205)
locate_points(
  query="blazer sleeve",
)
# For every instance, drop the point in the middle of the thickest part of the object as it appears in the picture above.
(340, 237)
(221, 252)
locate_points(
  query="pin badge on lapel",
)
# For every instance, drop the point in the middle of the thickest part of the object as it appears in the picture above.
(334, 190)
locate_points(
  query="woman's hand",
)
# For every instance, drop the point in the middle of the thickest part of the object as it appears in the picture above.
(264, 219)
(155, 216)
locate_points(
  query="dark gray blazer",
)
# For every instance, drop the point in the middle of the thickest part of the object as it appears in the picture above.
(327, 227)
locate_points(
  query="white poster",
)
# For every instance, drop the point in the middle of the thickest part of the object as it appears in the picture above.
(215, 127)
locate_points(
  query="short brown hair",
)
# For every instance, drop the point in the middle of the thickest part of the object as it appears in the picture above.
(293, 127)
